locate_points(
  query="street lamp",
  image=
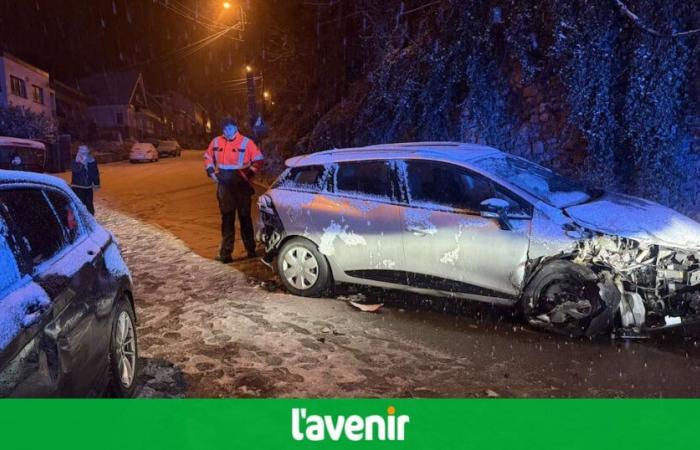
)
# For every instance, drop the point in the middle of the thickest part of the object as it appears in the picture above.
(227, 5)
(248, 69)
(266, 95)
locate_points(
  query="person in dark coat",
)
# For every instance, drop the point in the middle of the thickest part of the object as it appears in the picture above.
(86, 177)
(16, 162)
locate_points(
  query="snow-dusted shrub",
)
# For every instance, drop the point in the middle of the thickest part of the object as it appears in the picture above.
(20, 122)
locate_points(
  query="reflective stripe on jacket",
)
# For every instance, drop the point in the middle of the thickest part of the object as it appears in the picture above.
(237, 154)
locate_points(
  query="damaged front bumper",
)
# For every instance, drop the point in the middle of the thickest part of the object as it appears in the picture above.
(644, 287)
(269, 229)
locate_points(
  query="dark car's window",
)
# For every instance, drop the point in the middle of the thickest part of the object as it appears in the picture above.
(66, 215)
(33, 223)
(8, 266)
(307, 177)
(370, 178)
(446, 185)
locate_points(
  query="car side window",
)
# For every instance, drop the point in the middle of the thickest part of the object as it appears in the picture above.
(66, 215)
(450, 186)
(306, 177)
(516, 207)
(368, 178)
(440, 184)
(33, 222)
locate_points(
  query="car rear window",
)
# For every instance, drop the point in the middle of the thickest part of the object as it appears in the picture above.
(368, 178)
(306, 178)
(33, 222)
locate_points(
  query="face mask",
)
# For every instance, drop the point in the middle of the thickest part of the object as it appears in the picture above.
(230, 131)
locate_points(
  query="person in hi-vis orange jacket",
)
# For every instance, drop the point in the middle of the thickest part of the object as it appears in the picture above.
(232, 160)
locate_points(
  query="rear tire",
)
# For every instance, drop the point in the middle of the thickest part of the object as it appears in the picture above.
(123, 351)
(302, 268)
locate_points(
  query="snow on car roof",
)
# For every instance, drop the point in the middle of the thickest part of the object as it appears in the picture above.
(16, 176)
(450, 151)
(19, 142)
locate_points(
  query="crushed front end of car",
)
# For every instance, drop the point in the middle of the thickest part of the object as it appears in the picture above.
(659, 286)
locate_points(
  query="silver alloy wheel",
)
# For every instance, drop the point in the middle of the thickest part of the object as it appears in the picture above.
(300, 267)
(126, 349)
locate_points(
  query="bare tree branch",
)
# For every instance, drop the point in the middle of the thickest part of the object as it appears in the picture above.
(626, 11)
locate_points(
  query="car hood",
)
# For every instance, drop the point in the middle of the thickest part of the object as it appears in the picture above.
(638, 219)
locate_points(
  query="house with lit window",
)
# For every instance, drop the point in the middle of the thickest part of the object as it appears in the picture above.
(22, 84)
(118, 105)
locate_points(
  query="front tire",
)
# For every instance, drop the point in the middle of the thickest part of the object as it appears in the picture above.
(563, 297)
(123, 351)
(302, 268)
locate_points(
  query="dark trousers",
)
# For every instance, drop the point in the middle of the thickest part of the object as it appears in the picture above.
(85, 196)
(235, 201)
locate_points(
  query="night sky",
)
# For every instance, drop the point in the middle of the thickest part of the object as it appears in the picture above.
(72, 38)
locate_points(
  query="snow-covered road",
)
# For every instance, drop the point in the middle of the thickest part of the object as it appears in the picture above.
(210, 330)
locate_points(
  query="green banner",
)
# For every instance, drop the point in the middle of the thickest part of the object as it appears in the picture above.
(355, 424)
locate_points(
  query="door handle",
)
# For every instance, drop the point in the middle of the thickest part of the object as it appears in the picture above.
(417, 230)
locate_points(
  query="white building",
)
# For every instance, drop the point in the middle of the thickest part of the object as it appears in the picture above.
(22, 84)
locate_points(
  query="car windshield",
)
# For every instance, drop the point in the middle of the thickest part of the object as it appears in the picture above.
(536, 180)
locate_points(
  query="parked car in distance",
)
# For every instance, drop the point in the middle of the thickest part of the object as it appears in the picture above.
(154, 141)
(143, 152)
(470, 221)
(169, 148)
(67, 318)
(32, 153)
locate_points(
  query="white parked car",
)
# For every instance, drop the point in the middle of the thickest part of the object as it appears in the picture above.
(143, 151)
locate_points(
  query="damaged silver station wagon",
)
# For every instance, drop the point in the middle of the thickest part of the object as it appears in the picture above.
(470, 221)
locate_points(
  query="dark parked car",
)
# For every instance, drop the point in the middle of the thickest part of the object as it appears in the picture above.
(169, 148)
(67, 321)
(32, 154)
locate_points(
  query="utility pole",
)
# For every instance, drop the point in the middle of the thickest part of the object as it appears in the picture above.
(252, 103)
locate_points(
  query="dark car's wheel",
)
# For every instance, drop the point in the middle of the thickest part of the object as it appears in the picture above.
(562, 297)
(123, 353)
(302, 268)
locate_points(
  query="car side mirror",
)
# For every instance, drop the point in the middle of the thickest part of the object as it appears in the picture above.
(496, 208)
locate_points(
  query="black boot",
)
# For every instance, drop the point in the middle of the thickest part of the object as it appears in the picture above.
(224, 259)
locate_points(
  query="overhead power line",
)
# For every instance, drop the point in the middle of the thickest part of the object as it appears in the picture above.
(181, 10)
(185, 51)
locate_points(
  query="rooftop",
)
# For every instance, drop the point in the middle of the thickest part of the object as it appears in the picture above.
(109, 88)
(23, 63)
(19, 142)
(449, 151)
